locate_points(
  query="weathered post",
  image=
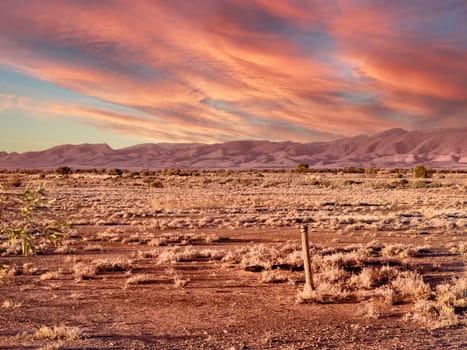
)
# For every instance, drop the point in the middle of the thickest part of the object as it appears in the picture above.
(306, 260)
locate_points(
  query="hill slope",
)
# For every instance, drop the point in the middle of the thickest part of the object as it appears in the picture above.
(442, 148)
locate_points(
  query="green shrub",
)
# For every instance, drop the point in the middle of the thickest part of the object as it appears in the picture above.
(21, 221)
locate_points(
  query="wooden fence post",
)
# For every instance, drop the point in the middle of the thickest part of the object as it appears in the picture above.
(306, 260)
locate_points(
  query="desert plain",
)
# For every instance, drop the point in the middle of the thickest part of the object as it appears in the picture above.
(213, 260)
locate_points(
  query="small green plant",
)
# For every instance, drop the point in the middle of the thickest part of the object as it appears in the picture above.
(421, 171)
(21, 219)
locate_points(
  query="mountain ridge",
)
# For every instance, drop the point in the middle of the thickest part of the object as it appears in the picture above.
(440, 148)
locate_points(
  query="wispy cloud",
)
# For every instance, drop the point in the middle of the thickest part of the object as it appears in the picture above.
(219, 70)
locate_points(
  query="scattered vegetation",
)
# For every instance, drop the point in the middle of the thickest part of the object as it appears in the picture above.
(138, 233)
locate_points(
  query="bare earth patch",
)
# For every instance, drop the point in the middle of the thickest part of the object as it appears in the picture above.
(214, 262)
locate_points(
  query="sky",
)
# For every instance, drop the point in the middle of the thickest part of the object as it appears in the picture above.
(129, 72)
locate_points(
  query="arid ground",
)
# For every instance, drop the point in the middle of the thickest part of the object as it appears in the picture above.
(212, 260)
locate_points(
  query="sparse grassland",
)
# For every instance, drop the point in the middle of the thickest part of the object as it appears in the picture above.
(213, 260)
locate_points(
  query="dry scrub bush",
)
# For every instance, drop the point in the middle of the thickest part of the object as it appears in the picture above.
(371, 277)
(343, 274)
(325, 292)
(454, 294)
(433, 315)
(441, 312)
(409, 286)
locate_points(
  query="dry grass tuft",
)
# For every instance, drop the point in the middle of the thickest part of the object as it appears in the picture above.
(84, 271)
(10, 304)
(404, 251)
(65, 249)
(140, 279)
(178, 280)
(274, 276)
(112, 265)
(61, 332)
(55, 275)
(325, 292)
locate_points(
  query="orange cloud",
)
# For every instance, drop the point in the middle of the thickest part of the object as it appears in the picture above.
(240, 69)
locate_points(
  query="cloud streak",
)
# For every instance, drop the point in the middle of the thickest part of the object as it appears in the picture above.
(223, 70)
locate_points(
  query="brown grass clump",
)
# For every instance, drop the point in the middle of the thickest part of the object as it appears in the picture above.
(187, 254)
(178, 280)
(140, 279)
(64, 249)
(61, 332)
(55, 275)
(404, 251)
(93, 248)
(177, 238)
(84, 271)
(9, 303)
(325, 292)
(459, 249)
(147, 254)
(274, 276)
(112, 265)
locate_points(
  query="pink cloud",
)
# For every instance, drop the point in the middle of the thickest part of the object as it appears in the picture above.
(250, 59)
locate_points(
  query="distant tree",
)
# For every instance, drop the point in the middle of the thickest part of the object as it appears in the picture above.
(116, 171)
(301, 168)
(353, 170)
(371, 170)
(421, 171)
(64, 170)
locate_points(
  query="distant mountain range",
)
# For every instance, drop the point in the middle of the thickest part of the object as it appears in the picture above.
(439, 148)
